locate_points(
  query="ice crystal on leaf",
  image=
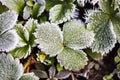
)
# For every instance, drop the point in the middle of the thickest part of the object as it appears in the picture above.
(76, 36)
(50, 38)
(10, 69)
(38, 8)
(52, 41)
(27, 12)
(29, 76)
(62, 12)
(72, 59)
(105, 24)
(8, 38)
(26, 41)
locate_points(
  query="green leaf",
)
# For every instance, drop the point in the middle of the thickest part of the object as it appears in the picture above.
(59, 67)
(30, 3)
(21, 52)
(117, 59)
(26, 32)
(108, 77)
(8, 40)
(16, 5)
(52, 71)
(61, 13)
(118, 51)
(51, 3)
(40, 74)
(20, 31)
(50, 39)
(76, 36)
(10, 69)
(7, 21)
(26, 39)
(116, 25)
(72, 59)
(105, 37)
(63, 74)
(94, 55)
(35, 10)
(95, 19)
(29, 76)
(38, 8)
(42, 6)
(107, 6)
(30, 27)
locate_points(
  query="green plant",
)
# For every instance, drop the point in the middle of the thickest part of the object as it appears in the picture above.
(105, 24)
(12, 69)
(8, 37)
(51, 32)
(66, 45)
(52, 73)
(26, 39)
(117, 70)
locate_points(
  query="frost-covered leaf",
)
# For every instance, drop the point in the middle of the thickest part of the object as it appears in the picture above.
(8, 40)
(96, 18)
(30, 27)
(94, 1)
(107, 6)
(7, 21)
(49, 37)
(42, 6)
(116, 26)
(63, 74)
(40, 74)
(51, 3)
(117, 4)
(82, 2)
(61, 13)
(16, 5)
(26, 40)
(29, 76)
(52, 71)
(10, 69)
(38, 8)
(21, 52)
(27, 12)
(35, 10)
(72, 59)
(20, 31)
(105, 37)
(26, 32)
(76, 36)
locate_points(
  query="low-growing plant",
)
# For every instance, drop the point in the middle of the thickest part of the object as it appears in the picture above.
(52, 33)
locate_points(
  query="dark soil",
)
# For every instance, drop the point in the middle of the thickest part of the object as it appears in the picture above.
(106, 66)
